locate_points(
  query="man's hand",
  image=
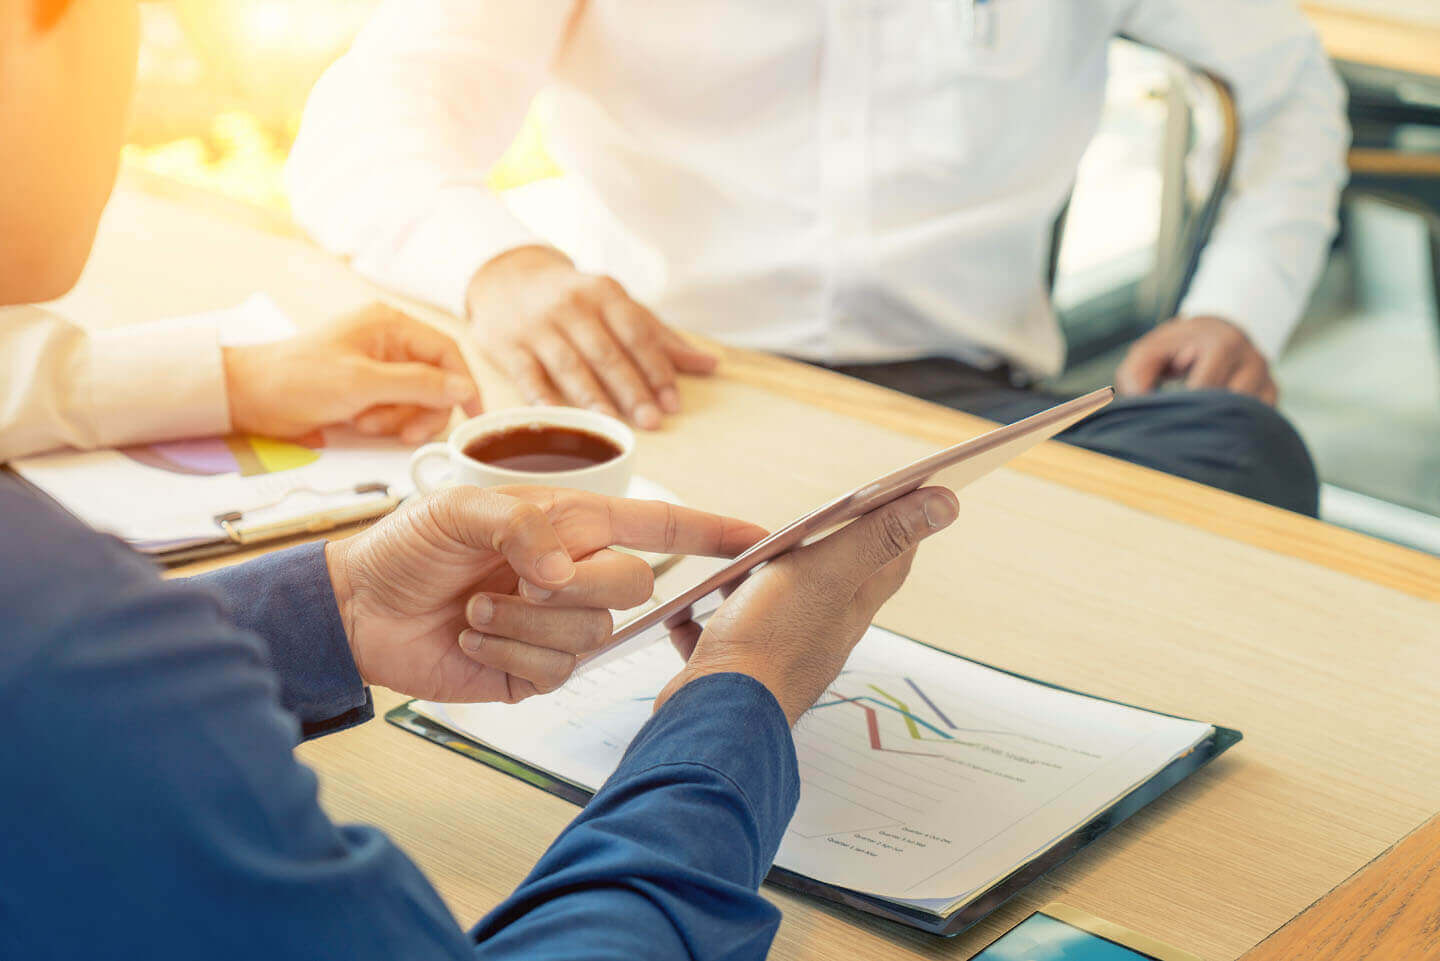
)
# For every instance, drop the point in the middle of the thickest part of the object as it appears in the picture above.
(568, 337)
(792, 625)
(385, 372)
(1205, 351)
(473, 594)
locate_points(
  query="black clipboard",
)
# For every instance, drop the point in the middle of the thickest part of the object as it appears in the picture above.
(1221, 740)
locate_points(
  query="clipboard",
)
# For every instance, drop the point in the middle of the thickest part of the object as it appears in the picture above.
(241, 529)
(237, 530)
(859, 904)
(183, 499)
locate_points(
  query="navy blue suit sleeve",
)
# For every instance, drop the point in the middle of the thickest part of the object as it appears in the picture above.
(675, 844)
(284, 598)
(155, 808)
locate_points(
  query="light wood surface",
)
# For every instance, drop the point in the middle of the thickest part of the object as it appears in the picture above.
(1391, 909)
(1322, 646)
(1377, 41)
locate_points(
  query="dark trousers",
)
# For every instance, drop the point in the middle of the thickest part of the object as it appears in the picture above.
(1222, 439)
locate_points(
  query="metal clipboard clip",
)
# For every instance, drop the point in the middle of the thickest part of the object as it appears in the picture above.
(362, 503)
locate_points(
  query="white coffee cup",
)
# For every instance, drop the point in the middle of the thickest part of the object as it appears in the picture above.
(445, 463)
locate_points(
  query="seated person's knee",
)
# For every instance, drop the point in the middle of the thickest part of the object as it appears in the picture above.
(1259, 445)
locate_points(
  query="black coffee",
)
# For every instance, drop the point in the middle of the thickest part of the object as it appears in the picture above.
(542, 449)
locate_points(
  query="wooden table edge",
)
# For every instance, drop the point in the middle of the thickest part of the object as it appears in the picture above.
(1228, 515)
(1373, 903)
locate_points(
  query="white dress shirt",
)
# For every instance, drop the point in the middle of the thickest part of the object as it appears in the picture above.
(842, 180)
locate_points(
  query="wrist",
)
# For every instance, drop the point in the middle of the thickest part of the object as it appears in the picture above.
(781, 684)
(240, 365)
(517, 261)
(529, 257)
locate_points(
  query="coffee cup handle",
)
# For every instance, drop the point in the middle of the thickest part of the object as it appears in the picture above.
(427, 480)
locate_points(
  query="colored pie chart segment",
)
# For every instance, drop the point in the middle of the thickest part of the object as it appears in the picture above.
(243, 454)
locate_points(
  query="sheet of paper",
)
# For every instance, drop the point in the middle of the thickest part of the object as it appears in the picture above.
(925, 776)
(168, 495)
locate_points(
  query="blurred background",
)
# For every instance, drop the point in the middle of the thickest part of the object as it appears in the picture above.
(223, 83)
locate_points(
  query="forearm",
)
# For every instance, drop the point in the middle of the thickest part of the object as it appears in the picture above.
(1268, 249)
(666, 859)
(1280, 213)
(65, 386)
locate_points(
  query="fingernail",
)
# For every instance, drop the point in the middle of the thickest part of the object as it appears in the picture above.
(471, 641)
(532, 593)
(556, 567)
(482, 609)
(647, 416)
(940, 511)
(458, 389)
(670, 400)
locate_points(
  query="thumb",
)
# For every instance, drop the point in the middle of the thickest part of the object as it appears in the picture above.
(518, 530)
(851, 556)
(1143, 367)
(379, 382)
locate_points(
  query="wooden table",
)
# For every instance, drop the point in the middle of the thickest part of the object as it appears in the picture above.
(1404, 47)
(1375, 40)
(1323, 646)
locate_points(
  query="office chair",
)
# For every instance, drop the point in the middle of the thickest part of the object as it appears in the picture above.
(1185, 225)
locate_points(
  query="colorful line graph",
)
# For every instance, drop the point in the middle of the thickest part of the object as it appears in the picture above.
(929, 703)
(872, 726)
(913, 722)
(910, 724)
(243, 454)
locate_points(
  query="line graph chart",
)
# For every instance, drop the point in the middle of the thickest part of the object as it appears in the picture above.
(922, 774)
